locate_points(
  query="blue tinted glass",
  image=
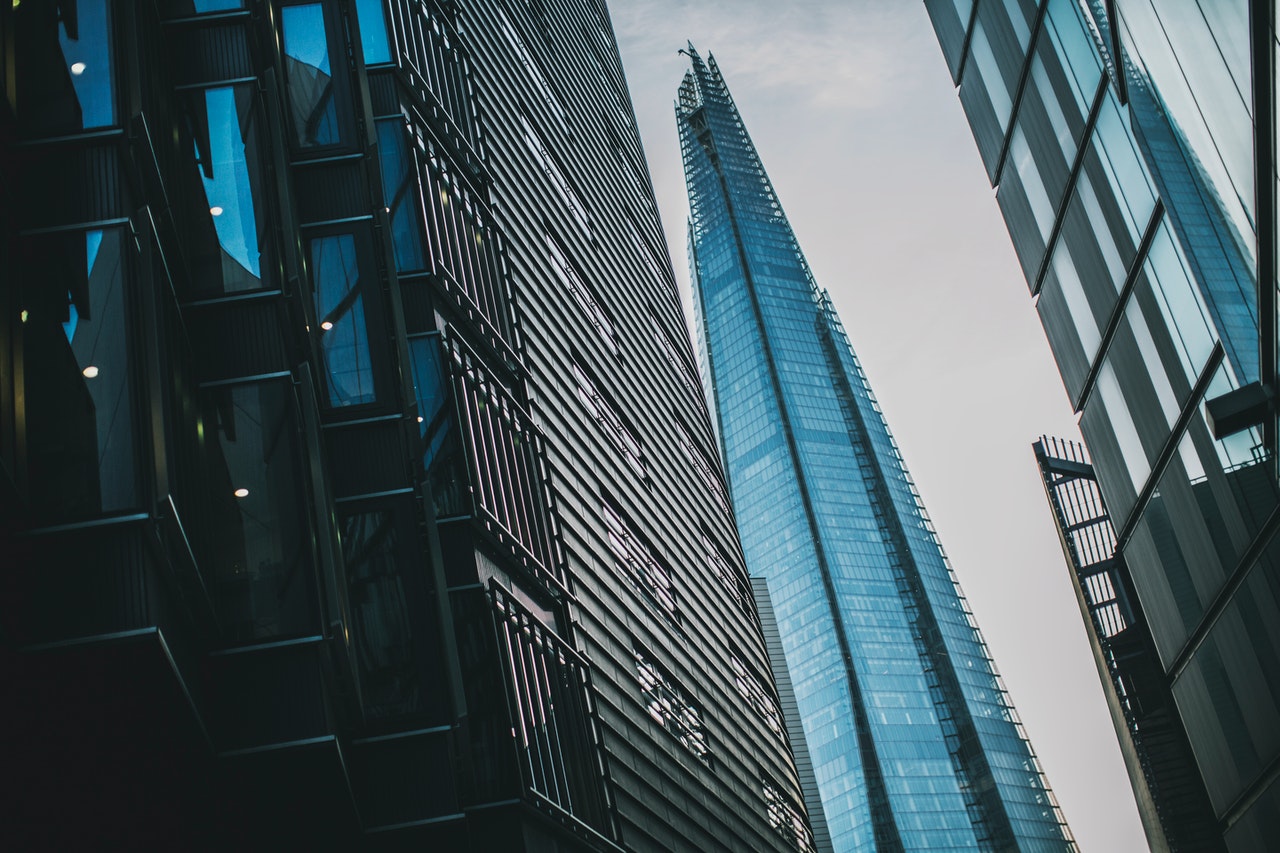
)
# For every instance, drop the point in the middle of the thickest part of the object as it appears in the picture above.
(217, 5)
(231, 186)
(441, 453)
(401, 194)
(88, 60)
(344, 339)
(373, 32)
(311, 92)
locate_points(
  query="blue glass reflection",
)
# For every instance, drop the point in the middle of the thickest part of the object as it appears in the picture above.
(373, 32)
(344, 338)
(228, 187)
(441, 455)
(400, 193)
(311, 93)
(88, 57)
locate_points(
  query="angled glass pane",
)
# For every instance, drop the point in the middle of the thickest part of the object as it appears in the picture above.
(310, 80)
(401, 194)
(441, 453)
(232, 238)
(64, 72)
(373, 32)
(344, 338)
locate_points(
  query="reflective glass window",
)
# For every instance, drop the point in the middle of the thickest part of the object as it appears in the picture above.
(80, 409)
(442, 456)
(343, 334)
(231, 241)
(1184, 312)
(401, 194)
(262, 573)
(1067, 31)
(310, 78)
(204, 6)
(1123, 166)
(373, 32)
(65, 76)
(980, 53)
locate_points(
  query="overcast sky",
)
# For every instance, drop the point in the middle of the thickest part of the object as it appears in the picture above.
(854, 114)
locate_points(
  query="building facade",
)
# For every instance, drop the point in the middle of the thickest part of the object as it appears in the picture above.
(345, 421)
(1133, 148)
(913, 741)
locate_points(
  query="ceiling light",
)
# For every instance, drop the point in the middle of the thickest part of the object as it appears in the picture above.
(77, 68)
(90, 372)
(215, 210)
(326, 325)
(24, 315)
(420, 419)
(241, 493)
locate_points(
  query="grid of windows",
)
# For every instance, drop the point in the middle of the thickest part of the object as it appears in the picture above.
(671, 708)
(760, 699)
(638, 563)
(787, 819)
(606, 414)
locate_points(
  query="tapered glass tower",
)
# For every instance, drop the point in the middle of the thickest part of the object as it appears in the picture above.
(914, 742)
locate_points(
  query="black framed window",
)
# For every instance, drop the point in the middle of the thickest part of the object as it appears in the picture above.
(65, 70)
(262, 567)
(317, 102)
(338, 261)
(81, 420)
(232, 249)
(442, 456)
(401, 194)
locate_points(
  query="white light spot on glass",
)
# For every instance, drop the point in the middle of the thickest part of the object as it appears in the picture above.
(90, 372)
(326, 325)
(216, 210)
(77, 68)
(241, 493)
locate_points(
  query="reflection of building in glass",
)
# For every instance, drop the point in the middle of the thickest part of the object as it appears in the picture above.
(1133, 147)
(346, 420)
(912, 739)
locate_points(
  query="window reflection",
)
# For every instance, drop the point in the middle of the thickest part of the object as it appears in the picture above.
(401, 194)
(344, 337)
(311, 91)
(64, 73)
(441, 452)
(262, 575)
(233, 257)
(79, 392)
(373, 32)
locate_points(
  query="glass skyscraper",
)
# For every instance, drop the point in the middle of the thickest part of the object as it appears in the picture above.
(1133, 147)
(913, 740)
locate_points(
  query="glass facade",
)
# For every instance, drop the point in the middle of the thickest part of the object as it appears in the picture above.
(1154, 267)
(913, 741)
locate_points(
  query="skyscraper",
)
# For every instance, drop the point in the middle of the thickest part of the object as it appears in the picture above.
(913, 741)
(1133, 145)
(346, 430)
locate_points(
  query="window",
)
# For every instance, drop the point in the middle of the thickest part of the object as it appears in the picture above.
(582, 294)
(65, 73)
(636, 561)
(786, 819)
(557, 177)
(756, 695)
(262, 572)
(373, 32)
(706, 471)
(608, 417)
(401, 194)
(441, 454)
(81, 423)
(312, 93)
(534, 72)
(669, 352)
(343, 333)
(668, 705)
(231, 239)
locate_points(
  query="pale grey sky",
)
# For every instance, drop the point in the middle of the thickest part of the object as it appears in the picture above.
(853, 112)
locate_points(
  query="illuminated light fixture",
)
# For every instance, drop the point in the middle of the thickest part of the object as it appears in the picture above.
(326, 325)
(215, 210)
(17, 3)
(77, 68)
(420, 419)
(241, 493)
(90, 372)
(444, 196)
(23, 316)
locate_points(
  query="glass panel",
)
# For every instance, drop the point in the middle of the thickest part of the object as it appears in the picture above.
(380, 598)
(373, 32)
(344, 337)
(262, 573)
(234, 208)
(1074, 45)
(980, 53)
(201, 6)
(79, 393)
(1123, 166)
(441, 453)
(401, 194)
(311, 90)
(64, 72)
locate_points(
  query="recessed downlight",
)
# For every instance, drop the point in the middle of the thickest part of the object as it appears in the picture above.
(216, 210)
(90, 372)
(326, 325)
(241, 493)
(77, 68)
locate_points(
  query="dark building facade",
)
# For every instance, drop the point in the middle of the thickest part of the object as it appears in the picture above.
(914, 743)
(345, 421)
(1132, 145)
